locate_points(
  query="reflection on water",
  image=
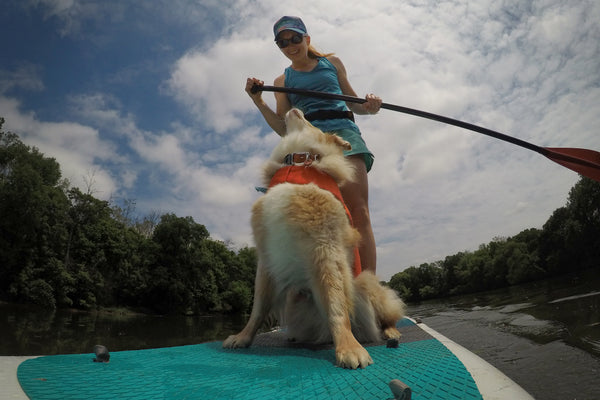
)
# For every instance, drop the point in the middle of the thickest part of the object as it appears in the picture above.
(566, 308)
(544, 335)
(31, 331)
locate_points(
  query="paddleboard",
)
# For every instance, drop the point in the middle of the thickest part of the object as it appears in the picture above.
(422, 365)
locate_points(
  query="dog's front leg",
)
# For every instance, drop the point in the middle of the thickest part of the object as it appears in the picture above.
(334, 292)
(348, 352)
(263, 301)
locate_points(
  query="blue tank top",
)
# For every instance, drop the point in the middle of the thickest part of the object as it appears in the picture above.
(322, 78)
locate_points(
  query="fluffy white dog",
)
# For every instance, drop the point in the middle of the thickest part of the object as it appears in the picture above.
(306, 245)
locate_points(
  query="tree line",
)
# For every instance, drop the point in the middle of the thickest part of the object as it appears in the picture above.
(568, 241)
(61, 247)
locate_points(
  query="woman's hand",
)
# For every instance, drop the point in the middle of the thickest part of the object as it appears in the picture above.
(372, 105)
(250, 83)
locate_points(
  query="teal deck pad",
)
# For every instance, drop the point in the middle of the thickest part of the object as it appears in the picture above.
(207, 371)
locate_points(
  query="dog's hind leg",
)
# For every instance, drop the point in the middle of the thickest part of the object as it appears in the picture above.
(388, 307)
(333, 285)
(263, 302)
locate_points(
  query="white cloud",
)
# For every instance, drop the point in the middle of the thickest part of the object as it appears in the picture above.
(527, 69)
(25, 76)
(78, 148)
(523, 69)
(211, 82)
(73, 15)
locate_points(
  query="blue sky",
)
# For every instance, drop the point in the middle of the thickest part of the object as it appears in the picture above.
(145, 99)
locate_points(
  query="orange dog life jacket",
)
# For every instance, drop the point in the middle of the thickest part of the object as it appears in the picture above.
(301, 175)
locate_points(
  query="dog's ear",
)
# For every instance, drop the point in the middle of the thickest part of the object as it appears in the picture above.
(335, 139)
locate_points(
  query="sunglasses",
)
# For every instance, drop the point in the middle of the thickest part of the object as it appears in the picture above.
(283, 43)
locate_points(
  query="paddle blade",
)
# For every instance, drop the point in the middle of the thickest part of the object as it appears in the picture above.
(583, 161)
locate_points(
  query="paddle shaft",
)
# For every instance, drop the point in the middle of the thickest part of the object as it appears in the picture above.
(405, 110)
(553, 154)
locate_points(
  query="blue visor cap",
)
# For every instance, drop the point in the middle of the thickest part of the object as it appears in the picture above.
(287, 23)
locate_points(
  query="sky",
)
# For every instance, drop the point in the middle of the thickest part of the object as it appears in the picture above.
(144, 101)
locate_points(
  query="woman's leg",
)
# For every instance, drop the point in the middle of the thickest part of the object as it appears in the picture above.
(356, 197)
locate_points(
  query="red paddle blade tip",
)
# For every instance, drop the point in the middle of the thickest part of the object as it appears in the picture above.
(583, 161)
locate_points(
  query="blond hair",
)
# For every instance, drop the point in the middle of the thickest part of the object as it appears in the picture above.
(314, 53)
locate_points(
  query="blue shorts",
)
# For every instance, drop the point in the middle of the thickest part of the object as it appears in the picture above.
(358, 145)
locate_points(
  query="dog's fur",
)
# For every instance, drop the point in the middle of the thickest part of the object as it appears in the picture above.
(305, 243)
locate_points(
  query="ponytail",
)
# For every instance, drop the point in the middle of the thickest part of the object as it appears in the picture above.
(314, 53)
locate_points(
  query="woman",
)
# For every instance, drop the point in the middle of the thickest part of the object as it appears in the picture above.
(313, 70)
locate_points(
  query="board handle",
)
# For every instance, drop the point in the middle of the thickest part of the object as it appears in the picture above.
(400, 390)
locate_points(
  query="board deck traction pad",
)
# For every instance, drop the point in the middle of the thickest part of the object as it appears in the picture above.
(272, 368)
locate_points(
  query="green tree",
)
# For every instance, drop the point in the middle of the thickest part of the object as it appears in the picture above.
(33, 206)
(62, 247)
(521, 257)
(471, 271)
(181, 279)
(449, 279)
(584, 208)
(406, 283)
(570, 239)
(87, 257)
(239, 290)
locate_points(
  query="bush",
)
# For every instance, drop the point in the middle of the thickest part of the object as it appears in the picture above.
(40, 292)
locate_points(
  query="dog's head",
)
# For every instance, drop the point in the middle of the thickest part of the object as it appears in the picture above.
(303, 137)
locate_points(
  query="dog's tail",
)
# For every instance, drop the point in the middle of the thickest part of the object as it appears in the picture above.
(377, 303)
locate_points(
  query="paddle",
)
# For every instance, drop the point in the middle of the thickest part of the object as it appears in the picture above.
(583, 161)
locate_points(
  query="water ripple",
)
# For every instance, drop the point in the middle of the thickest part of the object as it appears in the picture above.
(580, 296)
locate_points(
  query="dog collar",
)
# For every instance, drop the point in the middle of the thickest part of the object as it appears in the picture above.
(299, 158)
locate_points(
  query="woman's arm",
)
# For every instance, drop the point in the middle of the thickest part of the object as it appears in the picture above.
(373, 102)
(276, 120)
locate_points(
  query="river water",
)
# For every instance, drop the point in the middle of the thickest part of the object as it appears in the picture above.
(545, 335)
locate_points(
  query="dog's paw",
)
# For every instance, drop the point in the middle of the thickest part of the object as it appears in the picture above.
(356, 357)
(391, 333)
(236, 342)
